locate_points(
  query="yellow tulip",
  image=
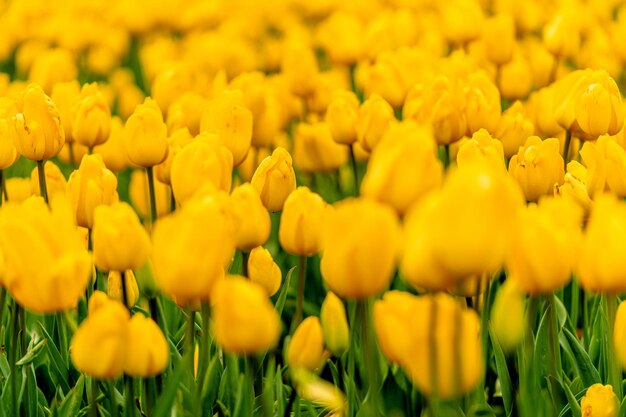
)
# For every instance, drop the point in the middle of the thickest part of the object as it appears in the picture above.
(599, 109)
(301, 222)
(335, 325)
(481, 147)
(482, 103)
(461, 21)
(619, 333)
(18, 189)
(540, 110)
(275, 179)
(507, 316)
(499, 38)
(52, 66)
(115, 291)
(170, 83)
(315, 150)
(513, 129)
(244, 320)
(341, 36)
(599, 401)
(306, 347)
(263, 270)
(91, 116)
(373, 118)
(360, 241)
(186, 112)
(320, 392)
(38, 128)
(341, 117)
(176, 141)
(55, 181)
(516, 78)
(562, 35)
(146, 135)
(606, 163)
(254, 220)
(147, 352)
(574, 186)
(140, 198)
(113, 151)
(8, 154)
(64, 94)
(90, 186)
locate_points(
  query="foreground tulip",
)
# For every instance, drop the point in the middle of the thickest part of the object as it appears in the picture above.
(599, 401)
(360, 241)
(146, 135)
(275, 179)
(413, 330)
(537, 167)
(301, 222)
(120, 242)
(602, 266)
(335, 325)
(403, 167)
(147, 352)
(90, 186)
(545, 245)
(192, 247)
(507, 316)
(306, 347)
(254, 229)
(47, 268)
(263, 270)
(605, 160)
(91, 122)
(38, 128)
(244, 320)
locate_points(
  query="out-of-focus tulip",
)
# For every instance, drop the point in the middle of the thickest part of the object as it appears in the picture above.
(115, 291)
(341, 36)
(315, 150)
(461, 21)
(619, 333)
(254, 220)
(574, 186)
(306, 347)
(516, 78)
(320, 392)
(53, 66)
(341, 117)
(140, 195)
(301, 222)
(186, 112)
(244, 320)
(8, 154)
(606, 166)
(373, 119)
(275, 179)
(113, 151)
(360, 241)
(146, 135)
(507, 316)
(562, 35)
(482, 103)
(335, 324)
(64, 94)
(147, 352)
(599, 401)
(55, 181)
(263, 270)
(540, 109)
(499, 38)
(176, 141)
(90, 186)
(481, 147)
(18, 189)
(513, 129)
(91, 116)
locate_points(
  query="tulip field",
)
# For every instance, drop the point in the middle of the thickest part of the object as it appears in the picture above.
(307, 208)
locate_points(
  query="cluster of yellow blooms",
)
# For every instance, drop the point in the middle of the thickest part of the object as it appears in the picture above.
(492, 138)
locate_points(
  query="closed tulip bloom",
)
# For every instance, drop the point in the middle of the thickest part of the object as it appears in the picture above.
(574, 186)
(146, 135)
(176, 141)
(91, 185)
(306, 347)
(403, 167)
(619, 333)
(461, 21)
(64, 94)
(205, 160)
(566, 91)
(341, 36)
(537, 167)
(244, 320)
(599, 109)
(227, 116)
(38, 129)
(366, 228)
(516, 78)
(335, 325)
(186, 112)
(545, 245)
(113, 151)
(115, 291)
(341, 117)
(263, 270)
(91, 122)
(147, 352)
(47, 269)
(599, 401)
(52, 66)
(140, 195)
(98, 347)
(254, 219)
(299, 67)
(8, 154)
(120, 242)
(482, 106)
(301, 222)
(55, 181)
(499, 38)
(170, 83)
(315, 150)
(540, 108)
(18, 189)
(507, 316)
(605, 161)
(191, 248)
(441, 105)
(275, 179)
(616, 168)
(482, 146)
(562, 36)
(513, 129)
(320, 392)
(373, 118)
(410, 344)
(601, 265)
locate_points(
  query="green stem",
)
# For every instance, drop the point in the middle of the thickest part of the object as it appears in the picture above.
(15, 328)
(153, 306)
(22, 318)
(568, 141)
(245, 256)
(130, 396)
(112, 402)
(3, 298)
(432, 371)
(371, 387)
(70, 150)
(615, 372)
(446, 156)
(555, 353)
(297, 315)
(69, 320)
(190, 336)
(93, 399)
(355, 171)
(172, 201)
(124, 291)
(1, 186)
(153, 207)
(43, 189)
(250, 381)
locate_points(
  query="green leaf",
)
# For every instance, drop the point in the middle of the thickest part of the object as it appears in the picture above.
(165, 402)
(508, 394)
(59, 371)
(72, 402)
(282, 298)
(587, 372)
(32, 353)
(541, 362)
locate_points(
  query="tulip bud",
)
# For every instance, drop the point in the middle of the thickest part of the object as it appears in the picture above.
(562, 35)
(263, 270)
(90, 186)
(254, 229)
(373, 118)
(275, 179)
(113, 151)
(147, 352)
(205, 160)
(64, 94)
(39, 133)
(403, 167)
(481, 147)
(341, 117)
(91, 116)
(499, 38)
(146, 135)
(366, 228)
(301, 221)
(599, 109)
(513, 129)
(545, 245)
(537, 167)
(119, 240)
(55, 181)
(316, 151)
(8, 154)
(244, 320)
(335, 325)
(306, 347)
(599, 401)
(565, 92)
(516, 78)
(507, 316)
(114, 287)
(227, 117)
(601, 265)
(324, 394)
(98, 347)
(203, 233)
